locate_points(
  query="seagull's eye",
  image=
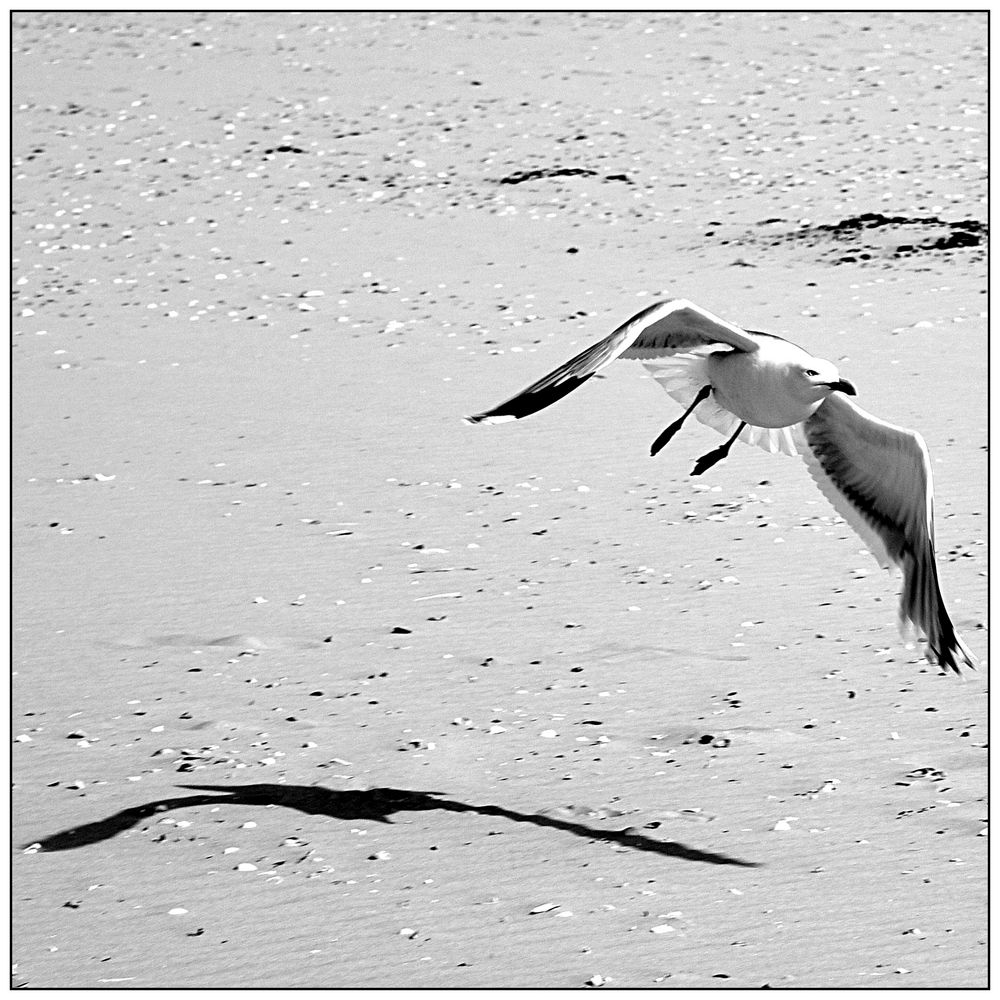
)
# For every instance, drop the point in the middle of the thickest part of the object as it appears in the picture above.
(811, 373)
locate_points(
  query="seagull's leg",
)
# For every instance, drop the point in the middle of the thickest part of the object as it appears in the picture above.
(716, 454)
(676, 425)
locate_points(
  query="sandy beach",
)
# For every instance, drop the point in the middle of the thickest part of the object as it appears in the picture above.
(316, 685)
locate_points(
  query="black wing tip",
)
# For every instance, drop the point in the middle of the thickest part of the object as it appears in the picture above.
(952, 657)
(533, 399)
(498, 416)
(955, 664)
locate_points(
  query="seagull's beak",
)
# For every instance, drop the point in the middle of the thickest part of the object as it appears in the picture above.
(842, 385)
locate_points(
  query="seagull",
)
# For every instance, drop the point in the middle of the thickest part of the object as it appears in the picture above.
(767, 391)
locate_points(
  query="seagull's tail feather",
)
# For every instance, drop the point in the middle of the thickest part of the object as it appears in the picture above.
(776, 440)
(682, 376)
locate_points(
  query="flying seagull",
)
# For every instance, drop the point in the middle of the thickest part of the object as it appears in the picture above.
(769, 392)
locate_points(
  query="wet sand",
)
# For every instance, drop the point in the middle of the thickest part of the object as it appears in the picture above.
(316, 685)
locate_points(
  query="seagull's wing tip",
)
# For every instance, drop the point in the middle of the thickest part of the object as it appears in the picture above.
(963, 656)
(949, 656)
(486, 418)
(953, 658)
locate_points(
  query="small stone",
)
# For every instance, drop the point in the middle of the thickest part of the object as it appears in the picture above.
(177, 911)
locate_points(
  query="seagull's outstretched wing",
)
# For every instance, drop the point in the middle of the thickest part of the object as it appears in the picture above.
(878, 477)
(661, 330)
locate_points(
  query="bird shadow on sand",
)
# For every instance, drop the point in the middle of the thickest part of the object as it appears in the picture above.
(376, 804)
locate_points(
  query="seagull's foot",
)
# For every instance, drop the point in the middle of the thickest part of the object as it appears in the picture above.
(703, 393)
(666, 435)
(706, 461)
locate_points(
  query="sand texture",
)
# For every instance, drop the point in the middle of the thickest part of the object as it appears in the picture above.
(316, 685)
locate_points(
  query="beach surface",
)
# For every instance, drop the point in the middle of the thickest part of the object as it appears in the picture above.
(316, 685)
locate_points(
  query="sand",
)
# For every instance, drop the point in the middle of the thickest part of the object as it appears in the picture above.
(315, 685)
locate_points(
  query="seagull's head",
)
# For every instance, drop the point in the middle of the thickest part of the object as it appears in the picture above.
(815, 379)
